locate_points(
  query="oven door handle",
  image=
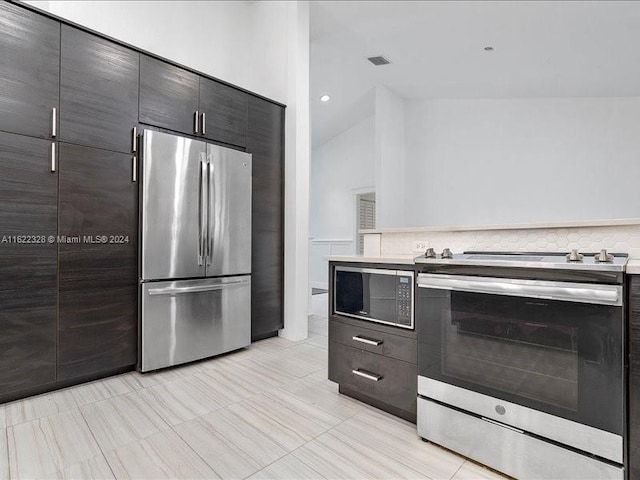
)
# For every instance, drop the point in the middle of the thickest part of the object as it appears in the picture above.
(563, 291)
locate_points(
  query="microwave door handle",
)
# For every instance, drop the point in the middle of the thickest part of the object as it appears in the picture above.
(562, 291)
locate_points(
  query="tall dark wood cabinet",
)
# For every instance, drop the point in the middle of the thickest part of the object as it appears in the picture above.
(634, 376)
(225, 113)
(70, 100)
(28, 262)
(29, 71)
(98, 277)
(98, 91)
(265, 140)
(168, 95)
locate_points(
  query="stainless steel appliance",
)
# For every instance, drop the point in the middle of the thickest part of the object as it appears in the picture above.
(521, 361)
(375, 294)
(195, 250)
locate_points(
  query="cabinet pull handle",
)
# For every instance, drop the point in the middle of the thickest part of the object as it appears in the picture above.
(196, 118)
(134, 139)
(54, 122)
(203, 123)
(367, 375)
(53, 157)
(368, 341)
(134, 169)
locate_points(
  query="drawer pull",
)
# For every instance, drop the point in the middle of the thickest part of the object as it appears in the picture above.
(368, 341)
(367, 375)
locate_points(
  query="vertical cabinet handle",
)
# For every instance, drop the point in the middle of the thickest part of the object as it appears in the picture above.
(134, 139)
(203, 123)
(134, 169)
(196, 119)
(54, 122)
(53, 157)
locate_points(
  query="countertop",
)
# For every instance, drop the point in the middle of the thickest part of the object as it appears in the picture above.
(633, 267)
(398, 259)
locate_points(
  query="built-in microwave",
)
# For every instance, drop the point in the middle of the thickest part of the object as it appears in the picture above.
(375, 294)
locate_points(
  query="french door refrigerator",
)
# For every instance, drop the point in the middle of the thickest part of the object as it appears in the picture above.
(195, 250)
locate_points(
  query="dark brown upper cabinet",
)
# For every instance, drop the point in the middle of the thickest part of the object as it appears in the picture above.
(223, 113)
(181, 101)
(28, 262)
(98, 315)
(265, 141)
(168, 96)
(29, 71)
(98, 91)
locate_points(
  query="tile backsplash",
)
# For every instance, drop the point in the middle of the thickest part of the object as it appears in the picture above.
(622, 239)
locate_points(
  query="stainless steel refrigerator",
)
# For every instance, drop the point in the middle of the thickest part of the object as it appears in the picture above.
(195, 250)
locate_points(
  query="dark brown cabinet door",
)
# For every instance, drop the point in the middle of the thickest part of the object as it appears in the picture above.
(634, 377)
(225, 112)
(28, 262)
(168, 95)
(98, 91)
(265, 140)
(29, 71)
(98, 281)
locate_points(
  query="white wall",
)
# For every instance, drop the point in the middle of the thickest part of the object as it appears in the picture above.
(389, 158)
(340, 168)
(244, 43)
(477, 162)
(261, 46)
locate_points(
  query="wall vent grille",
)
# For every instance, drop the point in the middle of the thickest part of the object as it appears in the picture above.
(380, 60)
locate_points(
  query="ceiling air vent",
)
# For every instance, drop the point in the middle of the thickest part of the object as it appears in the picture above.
(377, 61)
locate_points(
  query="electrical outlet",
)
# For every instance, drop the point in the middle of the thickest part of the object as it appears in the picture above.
(420, 247)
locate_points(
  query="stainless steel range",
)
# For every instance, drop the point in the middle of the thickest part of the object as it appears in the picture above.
(521, 360)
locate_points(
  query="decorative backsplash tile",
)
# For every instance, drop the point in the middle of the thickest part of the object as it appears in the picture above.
(622, 239)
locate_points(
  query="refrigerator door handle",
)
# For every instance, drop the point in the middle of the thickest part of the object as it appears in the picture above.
(211, 210)
(201, 213)
(196, 289)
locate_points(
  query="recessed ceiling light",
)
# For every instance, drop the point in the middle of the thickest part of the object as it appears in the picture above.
(488, 48)
(325, 98)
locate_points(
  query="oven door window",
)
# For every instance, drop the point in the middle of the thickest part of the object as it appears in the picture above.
(366, 295)
(563, 358)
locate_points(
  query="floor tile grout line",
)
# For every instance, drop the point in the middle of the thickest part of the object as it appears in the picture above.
(6, 438)
(104, 455)
(366, 409)
(305, 443)
(193, 449)
(459, 468)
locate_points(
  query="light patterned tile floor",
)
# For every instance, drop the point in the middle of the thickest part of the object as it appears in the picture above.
(264, 412)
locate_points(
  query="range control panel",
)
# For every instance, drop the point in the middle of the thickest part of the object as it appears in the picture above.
(404, 298)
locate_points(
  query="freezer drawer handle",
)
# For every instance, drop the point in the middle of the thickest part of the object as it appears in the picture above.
(368, 341)
(367, 375)
(201, 288)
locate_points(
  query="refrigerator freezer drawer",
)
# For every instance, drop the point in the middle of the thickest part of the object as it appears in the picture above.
(188, 320)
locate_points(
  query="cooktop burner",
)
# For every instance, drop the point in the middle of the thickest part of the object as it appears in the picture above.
(574, 260)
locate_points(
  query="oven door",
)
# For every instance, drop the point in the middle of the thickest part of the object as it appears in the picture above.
(552, 347)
